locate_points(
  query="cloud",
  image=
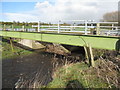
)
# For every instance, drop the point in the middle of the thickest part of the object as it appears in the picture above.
(44, 4)
(65, 10)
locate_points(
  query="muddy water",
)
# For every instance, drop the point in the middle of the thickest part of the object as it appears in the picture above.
(26, 67)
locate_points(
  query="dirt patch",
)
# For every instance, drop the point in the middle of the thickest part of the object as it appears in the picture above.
(25, 68)
(57, 48)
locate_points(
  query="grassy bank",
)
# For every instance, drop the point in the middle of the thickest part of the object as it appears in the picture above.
(7, 51)
(105, 74)
(79, 75)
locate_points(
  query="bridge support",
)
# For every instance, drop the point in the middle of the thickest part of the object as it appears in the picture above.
(12, 48)
(11, 44)
(57, 48)
(31, 44)
(89, 55)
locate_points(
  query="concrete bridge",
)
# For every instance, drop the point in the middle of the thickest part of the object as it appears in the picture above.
(100, 42)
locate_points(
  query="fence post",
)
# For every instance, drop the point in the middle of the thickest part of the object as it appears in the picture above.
(74, 26)
(112, 26)
(86, 27)
(4, 27)
(59, 26)
(116, 28)
(91, 24)
(12, 28)
(23, 28)
(98, 29)
(39, 26)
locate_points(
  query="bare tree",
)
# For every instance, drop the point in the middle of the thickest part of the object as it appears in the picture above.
(111, 17)
(119, 13)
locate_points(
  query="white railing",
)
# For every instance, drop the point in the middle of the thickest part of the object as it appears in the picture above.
(86, 27)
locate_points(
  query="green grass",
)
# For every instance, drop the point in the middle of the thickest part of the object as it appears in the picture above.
(76, 72)
(10, 26)
(8, 53)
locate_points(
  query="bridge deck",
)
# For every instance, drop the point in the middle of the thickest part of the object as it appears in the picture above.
(100, 42)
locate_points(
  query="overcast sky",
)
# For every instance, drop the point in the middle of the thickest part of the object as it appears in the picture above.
(54, 10)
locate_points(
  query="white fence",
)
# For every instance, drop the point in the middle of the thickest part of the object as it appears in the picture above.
(85, 27)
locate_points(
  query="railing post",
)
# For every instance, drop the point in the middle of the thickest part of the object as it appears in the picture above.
(112, 26)
(86, 27)
(23, 28)
(91, 24)
(74, 26)
(39, 26)
(59, 26)
(12, 28)
(116, 28)
(4, 27)
(98, 29)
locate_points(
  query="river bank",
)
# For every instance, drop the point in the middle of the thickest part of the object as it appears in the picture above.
(12, 51)
(28, 69)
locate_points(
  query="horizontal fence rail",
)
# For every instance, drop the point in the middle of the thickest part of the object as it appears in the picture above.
(85, 27)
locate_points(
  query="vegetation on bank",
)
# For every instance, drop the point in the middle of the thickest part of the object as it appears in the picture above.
(79, 75)
(106, 73)
(7, 51)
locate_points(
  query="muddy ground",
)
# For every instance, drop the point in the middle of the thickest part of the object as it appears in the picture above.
(26, 67)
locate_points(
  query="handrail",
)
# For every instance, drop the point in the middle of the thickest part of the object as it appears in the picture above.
(86, 27)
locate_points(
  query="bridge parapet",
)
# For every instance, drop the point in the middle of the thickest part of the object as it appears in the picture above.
(100, 42)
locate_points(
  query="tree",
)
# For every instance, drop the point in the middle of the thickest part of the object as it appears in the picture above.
(119, 13)
(111, 17)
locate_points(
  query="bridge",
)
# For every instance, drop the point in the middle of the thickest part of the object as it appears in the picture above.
(64, 35)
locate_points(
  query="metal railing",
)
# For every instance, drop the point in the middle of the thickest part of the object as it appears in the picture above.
(86, 27)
